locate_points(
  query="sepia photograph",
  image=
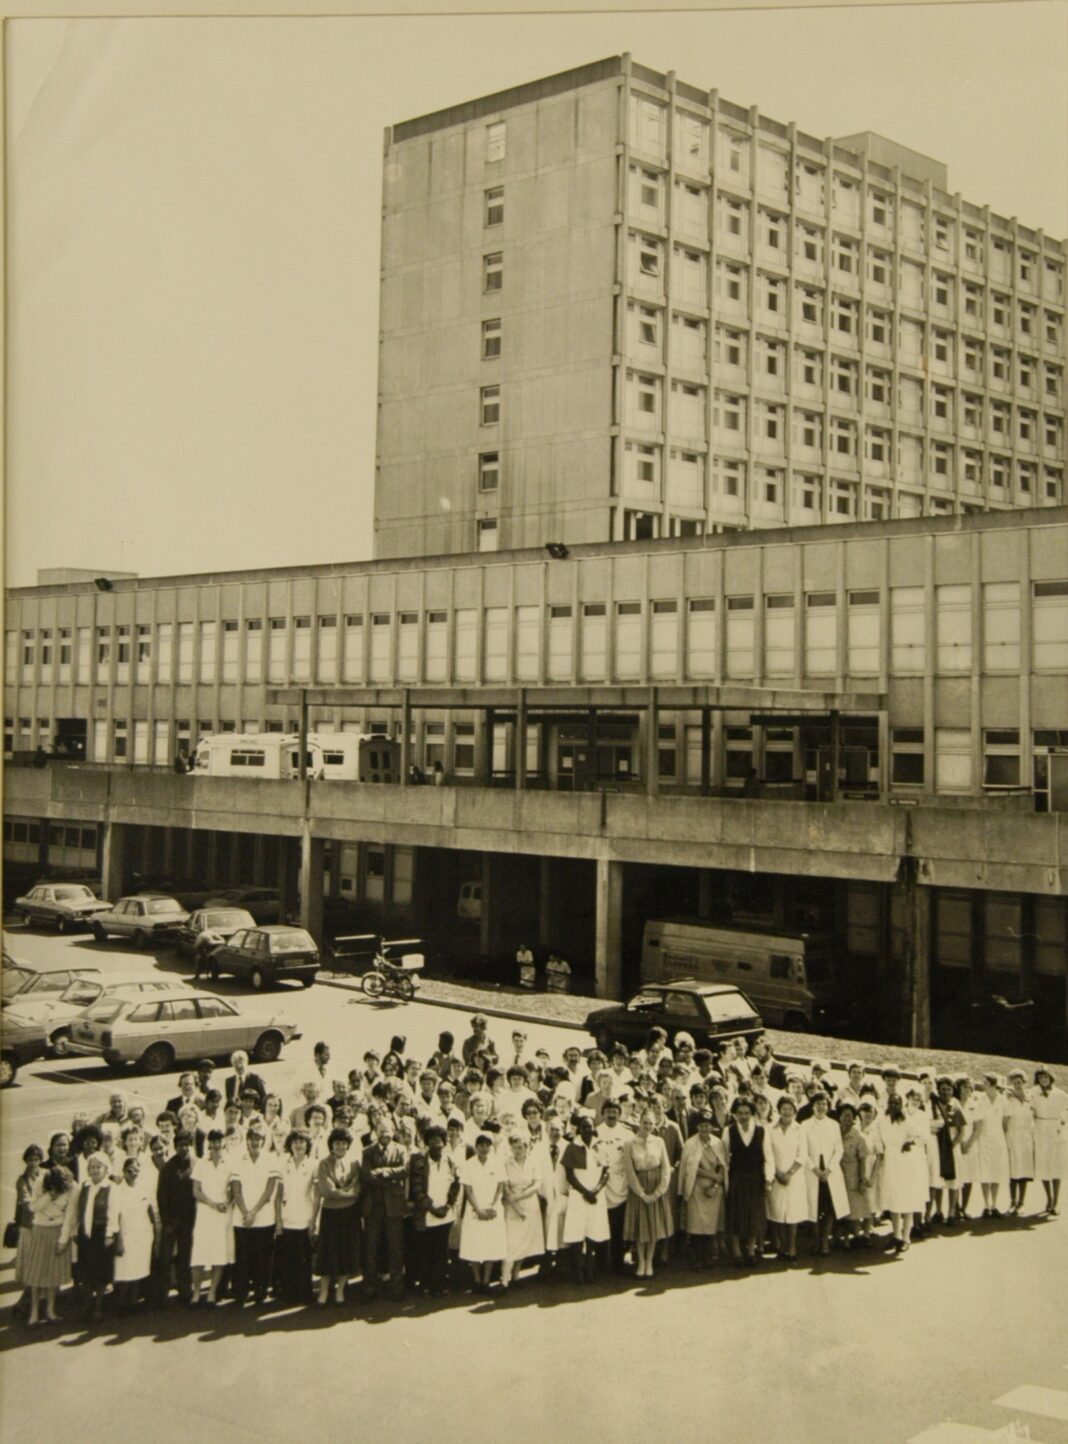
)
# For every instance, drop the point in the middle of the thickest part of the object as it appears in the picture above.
(535, 901)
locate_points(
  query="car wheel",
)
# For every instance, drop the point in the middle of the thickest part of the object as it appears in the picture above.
(25, 918)
(307, 980)
(268, 1048)
(61, 1043)
(140, 938)
(258, 980)
(8, 1071)
(373, 984)
(157, 1059)
(406, 989)
(99, 933)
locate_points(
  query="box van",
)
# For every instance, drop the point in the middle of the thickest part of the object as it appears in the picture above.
(469, 903)
(773, 968)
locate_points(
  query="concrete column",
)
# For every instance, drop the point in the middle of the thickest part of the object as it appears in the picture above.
(916, 954)
(546, 908)
(609, 938)
(494, 905)
(520, 740)
(706, 754)
(113, 863)
(406, 738)
(311, 884)
(484, 749)
(169, 851)
(652, 745)
(704, 893)
(259, 858)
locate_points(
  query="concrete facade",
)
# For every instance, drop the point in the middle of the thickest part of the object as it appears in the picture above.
(615, 305)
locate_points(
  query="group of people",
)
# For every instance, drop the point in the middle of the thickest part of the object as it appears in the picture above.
(466, 1168)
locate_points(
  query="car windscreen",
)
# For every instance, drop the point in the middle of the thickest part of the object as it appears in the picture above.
(292, 940)
(81, 993)
(164, 905)
(729, 1008)
(15, 979)
(74, 894)
(105, 1012)
(226, 918)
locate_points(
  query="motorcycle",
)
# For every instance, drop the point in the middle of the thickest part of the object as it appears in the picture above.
(388, 979)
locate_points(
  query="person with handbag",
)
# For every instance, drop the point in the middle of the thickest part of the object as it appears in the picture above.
(18, 1232)
(134, 1230)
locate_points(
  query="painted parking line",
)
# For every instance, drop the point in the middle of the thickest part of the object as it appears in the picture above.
(1033, 1399)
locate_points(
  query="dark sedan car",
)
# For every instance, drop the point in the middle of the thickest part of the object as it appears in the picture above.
(267, 955)
(710, 1012)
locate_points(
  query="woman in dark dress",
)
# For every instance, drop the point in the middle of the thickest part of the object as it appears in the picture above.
(338, 1186)
(750, 1173)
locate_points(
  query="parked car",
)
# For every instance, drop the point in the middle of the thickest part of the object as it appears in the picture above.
(158, 1033)
(208, 927)
(710, 1012)
(264, 903)
(266, 955)
(56, 1011)
(141, 919)
(27, 981)
(20, 1043)
(67, 906)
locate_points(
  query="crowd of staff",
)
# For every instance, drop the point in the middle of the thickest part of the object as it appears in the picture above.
(472, 1167)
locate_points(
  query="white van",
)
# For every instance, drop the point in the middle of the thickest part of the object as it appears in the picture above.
(771, 967)
(255, 754)
(469, 903)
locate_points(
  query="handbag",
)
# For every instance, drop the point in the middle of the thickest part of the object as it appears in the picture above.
(11, 1235)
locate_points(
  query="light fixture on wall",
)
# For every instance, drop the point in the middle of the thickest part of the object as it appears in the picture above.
(102, 584)
(557, 551)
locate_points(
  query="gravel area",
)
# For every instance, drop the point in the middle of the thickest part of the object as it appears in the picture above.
(507, 1001)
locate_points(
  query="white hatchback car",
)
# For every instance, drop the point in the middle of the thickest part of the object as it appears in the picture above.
(57, 1011)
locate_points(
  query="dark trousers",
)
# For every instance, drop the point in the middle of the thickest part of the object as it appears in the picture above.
(172, 1260)
(293, 1264)
(252, 1261)
(378, 1228)
(617, 1246)
(434, 1252)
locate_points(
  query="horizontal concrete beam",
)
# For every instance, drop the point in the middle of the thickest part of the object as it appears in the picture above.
(582, 699)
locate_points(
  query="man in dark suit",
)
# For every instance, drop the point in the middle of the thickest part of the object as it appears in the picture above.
(187, 1096)
(384, 1193)
(177, 1215)
(242, 1080)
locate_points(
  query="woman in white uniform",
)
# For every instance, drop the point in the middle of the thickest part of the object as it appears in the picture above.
(903, 1188)
(483, 1241)
(1020, 1137)
(134, 1220)
(586, 1224)
(788, 1198)
(523, 1227)
(966, 1147)
(993, 1160)
(213, 1234)
(828, 1200)
(1049, 1104)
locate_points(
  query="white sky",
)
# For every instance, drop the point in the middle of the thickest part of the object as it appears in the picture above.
(193, 230)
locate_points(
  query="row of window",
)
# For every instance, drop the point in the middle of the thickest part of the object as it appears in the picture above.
(528, 642)
(995, 368)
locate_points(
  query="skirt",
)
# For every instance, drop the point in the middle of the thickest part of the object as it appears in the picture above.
(704, 1212)
(647, 1222)
(746, 1212)
(483, 1240)
(293, 1263)
(525, 1237)
(43, 1268)
(94, 1265)
(338, 1252)
(1051, 1149)
(213, 1239)
(22, 1249)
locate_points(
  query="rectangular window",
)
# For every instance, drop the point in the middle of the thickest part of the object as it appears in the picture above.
(1001, 627)
(46, 655)
(100, 739)
(381, 646)
(493, 271)
(325, 649)
(493, 199)
(779, 636)
(953, 759)
(495, 663)
(277, 647)
(408, 647)
(527, 643)
(664, 639)
(491, 339)
(1001, 758)
(122, 654)
(821, 634)
(863, 637)
(561, 644)
(161, 742)
(230, 642)
(906, 756)
(65, 654)
(465, 661)
(701, 638)
(628, 640)
(207, 651)
(140, 742)
(143, 654)
(489, 470)
(495, 140)
(120, 737)
(594, 655)
(1050, 626)
(907, 635)
(253, 649)
(437, 647)
(740, 637)
(953, 628)
(487, 535)
(185, 651)
(489, 405)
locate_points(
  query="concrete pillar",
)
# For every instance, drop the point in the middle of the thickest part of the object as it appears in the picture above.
(706, 754)
(916, 954)
(520, 740)
(484, 749)
(113, 864)
(494, 906)
(652, 745)
(704, 893)
(609, 938)
(406, 738)
(259, 858)
(546, 908)
(311, 884)
(169, 851)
